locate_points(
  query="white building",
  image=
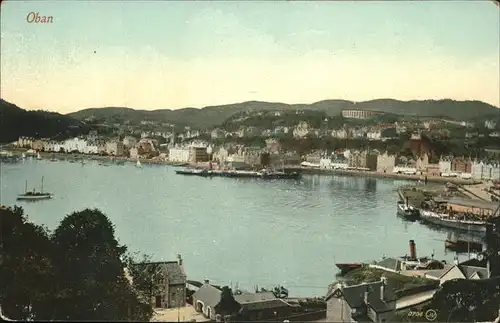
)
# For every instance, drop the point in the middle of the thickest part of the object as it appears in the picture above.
(445, 166)
(374, 135)
(340, 133)
(75, 144)
(485, 171)
(179, 154)
(134, 153)
(301, 130)
(92, 149)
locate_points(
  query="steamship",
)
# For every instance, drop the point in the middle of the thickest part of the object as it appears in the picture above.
(446, 220)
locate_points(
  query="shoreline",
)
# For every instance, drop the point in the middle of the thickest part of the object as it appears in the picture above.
(303, 170)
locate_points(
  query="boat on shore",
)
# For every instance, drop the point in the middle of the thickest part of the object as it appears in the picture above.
(34, 195)
(407, 211)
(454, 222)
(138, 164)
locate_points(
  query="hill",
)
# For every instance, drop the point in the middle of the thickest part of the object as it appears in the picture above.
(15, 122)
(215, 115)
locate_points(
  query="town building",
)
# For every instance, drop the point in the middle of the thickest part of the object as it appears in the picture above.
(368, 302)
(199, 154)
(179, 154)
(385, 163)
(134, 153)
(485, 170)
(114, 148)
(169, 280)
(461, 165)
(129, 141)
(360, 114)
(75, 145)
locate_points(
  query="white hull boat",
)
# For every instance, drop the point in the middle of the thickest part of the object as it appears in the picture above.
(447, 221)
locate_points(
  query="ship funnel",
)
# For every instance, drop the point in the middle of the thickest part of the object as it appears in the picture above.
(413, 250)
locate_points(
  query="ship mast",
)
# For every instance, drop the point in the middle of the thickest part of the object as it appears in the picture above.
(42, 185)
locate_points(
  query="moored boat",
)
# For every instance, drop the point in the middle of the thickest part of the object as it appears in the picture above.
(446, 220)
(34, 195)
(408, 212)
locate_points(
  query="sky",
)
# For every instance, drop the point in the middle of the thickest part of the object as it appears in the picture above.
(176, 54)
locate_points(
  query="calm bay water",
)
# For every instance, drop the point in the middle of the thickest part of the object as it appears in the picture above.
(242, 231)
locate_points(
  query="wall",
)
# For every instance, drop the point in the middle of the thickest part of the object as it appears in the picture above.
(176, 295)
(444, 166)
(433, 170)
(337, 310)
(385, 163)
(461, 165)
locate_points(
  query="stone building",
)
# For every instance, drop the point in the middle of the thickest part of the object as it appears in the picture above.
(368, 302)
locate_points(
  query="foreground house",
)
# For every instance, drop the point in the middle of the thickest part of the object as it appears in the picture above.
(168, 283)
(253, 306)
(368, 302)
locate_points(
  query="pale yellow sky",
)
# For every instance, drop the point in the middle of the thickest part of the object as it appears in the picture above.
(221, 56)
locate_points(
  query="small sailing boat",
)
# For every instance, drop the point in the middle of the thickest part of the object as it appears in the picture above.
(23, 156)
(138, 164)
(38, 156)
(34, 195)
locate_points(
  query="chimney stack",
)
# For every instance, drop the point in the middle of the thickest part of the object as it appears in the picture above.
(413, 250)
(383, 279)
(179, 257)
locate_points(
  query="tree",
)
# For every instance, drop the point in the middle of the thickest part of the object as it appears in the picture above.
(467, 300)
(91, 281)
(227, 305)
(25, 266)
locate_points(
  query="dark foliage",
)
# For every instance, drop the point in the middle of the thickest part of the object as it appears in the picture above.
(77, 273)
(16, 122)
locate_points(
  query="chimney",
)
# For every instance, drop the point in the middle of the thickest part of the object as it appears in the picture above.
(179, 257)
(383, 279)
(455, 261)
(366, 297)
(488, 268)
(413, 250)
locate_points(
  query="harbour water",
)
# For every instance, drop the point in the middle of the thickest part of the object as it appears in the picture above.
(232, 231)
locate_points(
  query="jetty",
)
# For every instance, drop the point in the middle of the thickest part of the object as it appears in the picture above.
(263, 174)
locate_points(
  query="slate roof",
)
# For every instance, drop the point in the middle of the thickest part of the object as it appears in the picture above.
(438, 273)
(354, 296)
(391, 263)
(174, 271)
(254, 297)
(469, 271)
(208, 294)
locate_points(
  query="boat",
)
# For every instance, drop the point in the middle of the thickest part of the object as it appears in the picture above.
(34, 195)
(347, 267)
(462, 246)
(269, 174)
(446, 220)
(120, 162)
(197, 172)
(23, 156)
(38, 156)
(138, 164)
(407, 211)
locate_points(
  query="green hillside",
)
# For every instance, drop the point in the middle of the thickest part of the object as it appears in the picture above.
(215, 115)
(15, 122)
